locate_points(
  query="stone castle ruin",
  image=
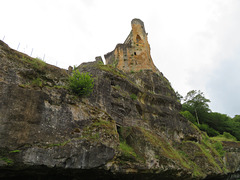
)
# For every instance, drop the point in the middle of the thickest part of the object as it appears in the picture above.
(134, 53)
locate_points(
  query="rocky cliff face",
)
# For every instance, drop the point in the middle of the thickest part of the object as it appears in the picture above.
(130, 127)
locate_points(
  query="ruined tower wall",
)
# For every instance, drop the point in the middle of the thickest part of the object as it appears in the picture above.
(134, 53)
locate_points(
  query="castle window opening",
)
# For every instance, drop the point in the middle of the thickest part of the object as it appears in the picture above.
(135, 53)
(138, 39)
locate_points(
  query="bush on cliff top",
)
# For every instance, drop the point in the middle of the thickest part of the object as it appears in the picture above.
(81, 84)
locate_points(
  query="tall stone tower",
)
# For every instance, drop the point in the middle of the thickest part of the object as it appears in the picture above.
(134, 53)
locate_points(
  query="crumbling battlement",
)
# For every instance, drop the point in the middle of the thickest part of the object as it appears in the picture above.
(134, 53)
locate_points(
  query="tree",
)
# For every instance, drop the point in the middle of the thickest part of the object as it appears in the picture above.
(220, 122)
(237, 118)
(210, 131)
(195, 108)
(179, 96)
(81, 84)
(188, 116)
(196, 104)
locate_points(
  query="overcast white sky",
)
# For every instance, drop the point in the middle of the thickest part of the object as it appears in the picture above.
(194, 43)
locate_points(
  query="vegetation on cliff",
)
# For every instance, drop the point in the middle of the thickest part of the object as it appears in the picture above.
(196, 109)
(81, 84)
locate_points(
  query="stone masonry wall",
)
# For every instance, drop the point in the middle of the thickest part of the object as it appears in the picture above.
(134, 53)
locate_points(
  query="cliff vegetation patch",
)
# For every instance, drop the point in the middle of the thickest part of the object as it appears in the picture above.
(81, 84)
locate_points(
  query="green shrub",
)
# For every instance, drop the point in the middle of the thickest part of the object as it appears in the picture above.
(100, 63)
(116, 87)
(35, 62)
(133, 96)
(37, 82)
(127, 151)
(81, 84)
(210, 131)
(15, 151)
(229, 136)
(188, 116)
(218, 146)
(6, 160)
(75, 67)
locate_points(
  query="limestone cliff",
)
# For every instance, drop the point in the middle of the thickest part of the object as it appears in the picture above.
(129, 128)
